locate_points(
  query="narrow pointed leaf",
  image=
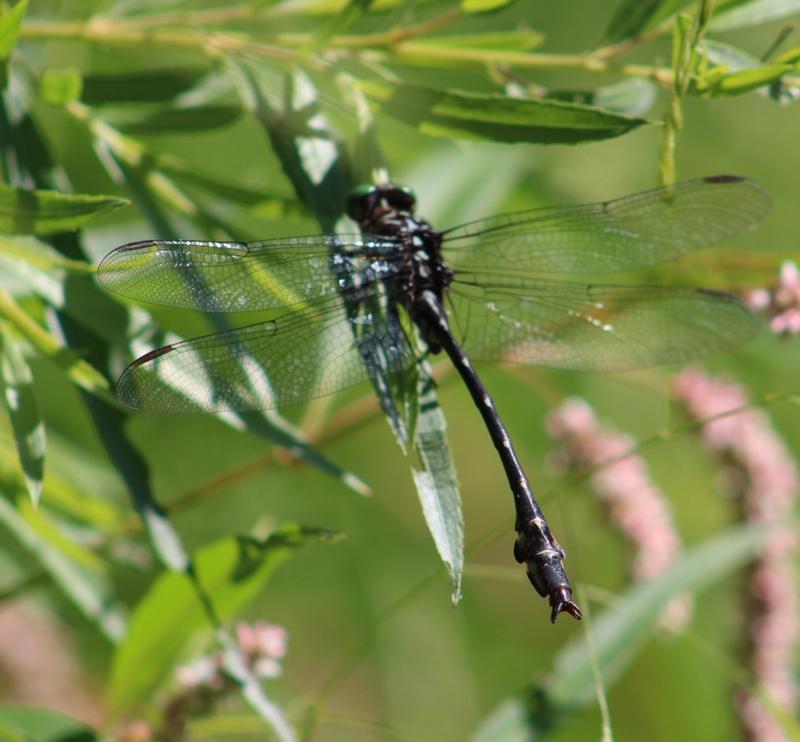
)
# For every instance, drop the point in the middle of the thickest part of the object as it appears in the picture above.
(498, 118)
(437, 483)
(10, 24)
(23, 410)
(45, 212)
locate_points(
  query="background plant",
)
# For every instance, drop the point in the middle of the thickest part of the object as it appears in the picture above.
(122, 121)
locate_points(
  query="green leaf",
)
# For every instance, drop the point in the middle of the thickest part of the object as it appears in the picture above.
(520, 41)
(501, 47)
(744, 81)
(635, 17)
(29, 724)
(86, 589)
(437, 483)
(170, 120)
(228, 573)
(618, 634)
(483, 6)
(10, 24)
(59, 87)
(744, 14)
(737, 72)
(80, 372)
(463, 115)
(45, 212)
(632, 97)
(351, 13)
(147, 86)
(23, 410)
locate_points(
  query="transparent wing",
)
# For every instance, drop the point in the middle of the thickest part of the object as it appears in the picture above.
(639, 230)
(302, 355)
(242, 276)
(594, 327)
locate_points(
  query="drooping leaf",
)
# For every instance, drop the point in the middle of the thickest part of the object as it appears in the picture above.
(744, 14)
(30, 724)
(46, 212)
(437, 483)
(229, 573)
(23, 410)
(317, 169)
(498, 118)
(617, 635)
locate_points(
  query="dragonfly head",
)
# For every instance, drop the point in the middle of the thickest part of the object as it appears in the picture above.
(367, 202)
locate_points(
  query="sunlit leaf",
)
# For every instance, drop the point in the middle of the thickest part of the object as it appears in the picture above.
(10, 24)
(454, 51)
(230, 573)
(437, 484)
(521, 40)
(45, 212)
(483, 6)
(59, 87)
(82, 373)
(737, 83)
(23, 410)
(498, 118)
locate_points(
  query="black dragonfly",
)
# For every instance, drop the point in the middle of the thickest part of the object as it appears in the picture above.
(485, 290)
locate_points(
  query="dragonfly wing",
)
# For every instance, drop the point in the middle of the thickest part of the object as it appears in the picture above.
(241, 276)
(640, 230)
(304, 354)
(595, 327)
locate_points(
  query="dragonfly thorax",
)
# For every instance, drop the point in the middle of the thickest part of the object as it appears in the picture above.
(388, 211)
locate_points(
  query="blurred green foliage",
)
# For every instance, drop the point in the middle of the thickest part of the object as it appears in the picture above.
(128, 120)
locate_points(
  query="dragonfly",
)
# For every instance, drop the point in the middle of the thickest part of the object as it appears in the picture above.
(515, 287)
